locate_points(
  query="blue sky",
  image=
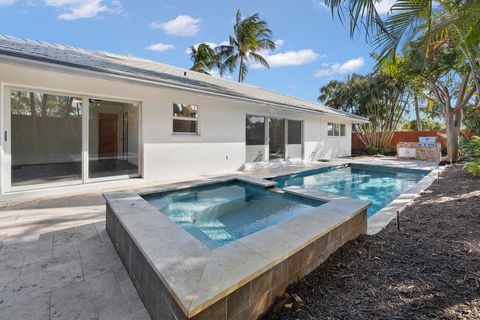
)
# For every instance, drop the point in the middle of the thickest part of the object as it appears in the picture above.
(312, 47)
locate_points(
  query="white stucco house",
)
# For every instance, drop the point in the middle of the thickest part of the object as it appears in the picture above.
(74, 116)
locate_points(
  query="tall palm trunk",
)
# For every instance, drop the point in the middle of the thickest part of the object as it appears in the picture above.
(417, 112)
(453, 122)
(240, 70)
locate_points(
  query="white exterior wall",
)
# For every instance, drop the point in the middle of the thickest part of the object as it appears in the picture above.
(220, 147)
(326, 147)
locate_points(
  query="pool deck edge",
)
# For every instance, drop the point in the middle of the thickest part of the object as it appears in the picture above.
(383, 217)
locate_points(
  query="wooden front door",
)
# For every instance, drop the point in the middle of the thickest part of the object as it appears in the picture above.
(107, 135)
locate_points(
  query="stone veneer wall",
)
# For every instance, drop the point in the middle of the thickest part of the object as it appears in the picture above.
(247, 302)
(423, 153)
(429, 153)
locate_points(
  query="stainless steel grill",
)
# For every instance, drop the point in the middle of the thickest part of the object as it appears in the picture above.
(427, 141)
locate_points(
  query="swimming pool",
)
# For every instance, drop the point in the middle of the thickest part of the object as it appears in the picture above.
(378, 184)
(220, 213)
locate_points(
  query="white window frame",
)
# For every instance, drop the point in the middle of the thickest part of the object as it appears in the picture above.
(174, 117)
(335, 126)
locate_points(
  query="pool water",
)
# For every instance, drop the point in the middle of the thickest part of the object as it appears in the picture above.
(220, 213)
(377, 184)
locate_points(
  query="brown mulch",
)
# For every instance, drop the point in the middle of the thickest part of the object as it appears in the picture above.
(428, 270)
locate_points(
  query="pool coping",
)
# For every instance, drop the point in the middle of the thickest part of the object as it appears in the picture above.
(197, 276)
(384, 216)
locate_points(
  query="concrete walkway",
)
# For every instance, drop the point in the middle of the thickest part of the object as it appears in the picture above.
(57, 262)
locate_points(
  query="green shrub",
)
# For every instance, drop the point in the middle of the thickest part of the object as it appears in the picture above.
(473, 167)
(385, 150)
(471, 147)
(371, 150)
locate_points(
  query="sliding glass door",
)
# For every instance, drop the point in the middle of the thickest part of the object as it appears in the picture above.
(113, 138)
(272, 139)
(46, 138)
(61, 139)
(276, 138)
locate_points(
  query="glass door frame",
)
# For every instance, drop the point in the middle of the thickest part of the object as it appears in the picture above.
(284, 139)
(6, 154)
(86, 156)
(267, 137)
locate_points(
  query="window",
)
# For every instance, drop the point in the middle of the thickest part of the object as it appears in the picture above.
(294, 132)
(255, 131)
(336, 129)
(330, 129)
(185, 118)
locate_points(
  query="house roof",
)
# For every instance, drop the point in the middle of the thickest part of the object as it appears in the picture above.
(144, 69)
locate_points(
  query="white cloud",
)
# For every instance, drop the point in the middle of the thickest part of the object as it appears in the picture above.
(80, 9)
(288, 58)
(349, 66)
(183, 25)
(215, 73)
(6, 2)
(160, 47)
(279, 42)
(320, 4)
(384, 6)
(212, 45)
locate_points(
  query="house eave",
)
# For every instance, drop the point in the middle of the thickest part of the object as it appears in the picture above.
(52, 65)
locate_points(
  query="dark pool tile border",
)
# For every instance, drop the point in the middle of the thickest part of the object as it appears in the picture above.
(306, 171)
(333, 166)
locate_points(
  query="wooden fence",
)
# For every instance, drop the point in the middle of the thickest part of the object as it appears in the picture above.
(401, 136)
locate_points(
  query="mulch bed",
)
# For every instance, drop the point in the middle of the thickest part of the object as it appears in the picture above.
(428, 270)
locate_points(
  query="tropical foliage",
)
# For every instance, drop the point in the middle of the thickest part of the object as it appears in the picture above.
(471, 149)
(471, 120)
(204, 58)
(426, 124)
(379, 97)
(251, 36)
(435, 32)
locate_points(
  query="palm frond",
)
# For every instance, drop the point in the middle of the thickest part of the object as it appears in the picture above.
(260, 59)
(406, 15)
(361, 14)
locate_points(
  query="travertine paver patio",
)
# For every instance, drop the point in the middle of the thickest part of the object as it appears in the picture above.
(57, 262)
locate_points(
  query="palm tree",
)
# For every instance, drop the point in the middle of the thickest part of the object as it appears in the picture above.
(407, 18)
(204, 58)
(434, 25)
(251, 37)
